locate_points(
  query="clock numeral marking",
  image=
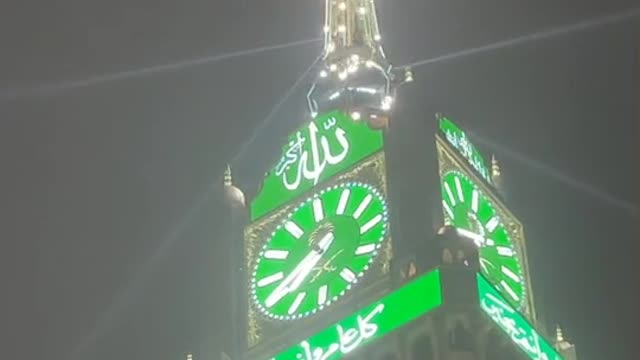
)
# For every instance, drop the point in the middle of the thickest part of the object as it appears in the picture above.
(318, 213)
(276, 254)
(459, 189)
(322, 294)
(447, 188)
(373, 222)
(447, 209)
(510, 274)
(294, 229)
(365, 249)
(348, 275)
(505, 251)
(270, 279)
(296, 303)
(474, 201)
(344, 199)
(509, 290)
(492, 224)
(363, 206)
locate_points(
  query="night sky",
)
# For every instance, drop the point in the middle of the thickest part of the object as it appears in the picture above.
(112, 216)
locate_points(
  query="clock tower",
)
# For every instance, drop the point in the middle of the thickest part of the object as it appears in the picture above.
(364, 241)
(319, 243)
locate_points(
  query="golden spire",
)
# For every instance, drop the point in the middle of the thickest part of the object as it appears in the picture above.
(351, 25)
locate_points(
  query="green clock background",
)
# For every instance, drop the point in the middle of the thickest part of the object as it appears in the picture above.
(357, 216)
(468, 208)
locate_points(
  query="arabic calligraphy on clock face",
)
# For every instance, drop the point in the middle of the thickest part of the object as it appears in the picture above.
(319, 251)
(311, 152)
(467, 208)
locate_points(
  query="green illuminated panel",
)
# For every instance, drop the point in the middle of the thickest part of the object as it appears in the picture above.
(514, 324)
(326, 146)
(371, 323)
(474, 215)
(319, 251)
(456, 137)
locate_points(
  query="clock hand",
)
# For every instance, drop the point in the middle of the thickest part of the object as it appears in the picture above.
(300, 272)
(323, 246)
(478, 239)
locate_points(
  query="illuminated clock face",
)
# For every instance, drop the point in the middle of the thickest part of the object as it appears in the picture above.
(319, 251)
(475, 217)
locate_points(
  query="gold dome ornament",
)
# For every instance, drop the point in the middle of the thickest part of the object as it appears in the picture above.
(233, 195)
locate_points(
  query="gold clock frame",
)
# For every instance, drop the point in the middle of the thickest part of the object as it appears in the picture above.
(449, 159)
(372, 171)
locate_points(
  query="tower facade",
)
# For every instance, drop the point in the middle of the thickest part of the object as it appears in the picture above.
(321, 277)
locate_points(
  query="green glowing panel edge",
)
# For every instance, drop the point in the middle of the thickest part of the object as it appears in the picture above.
(516, 326)
(372, 322)
(459, 140)
(326, 146)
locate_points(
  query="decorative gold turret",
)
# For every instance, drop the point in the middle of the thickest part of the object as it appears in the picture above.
(234, 196)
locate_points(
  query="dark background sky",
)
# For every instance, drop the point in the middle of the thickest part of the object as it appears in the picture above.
(97, 181)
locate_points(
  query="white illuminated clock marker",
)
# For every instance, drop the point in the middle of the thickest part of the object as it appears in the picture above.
(450, 194)
(294, 229)
(362, 207)
(509, 290)
(276, 254)
(365, 249)
(459, 189)
(474, 200)
(347, 275)
(344, 199)
(296, 303)
(504, 251)
(373, 222)
(322, 294)
(510, 274)
(318, 213)
(447, 209)
(492, 224)
(271, 279)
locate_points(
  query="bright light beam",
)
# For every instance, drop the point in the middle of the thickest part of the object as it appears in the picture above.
(57, 87)
(124, 297)
(558, 175)
(120, 300)
(540, 35)
(273, 112)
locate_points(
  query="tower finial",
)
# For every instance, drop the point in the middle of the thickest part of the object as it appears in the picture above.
(354, 74)
(495, 167)
(559, 336)
(228, 180)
